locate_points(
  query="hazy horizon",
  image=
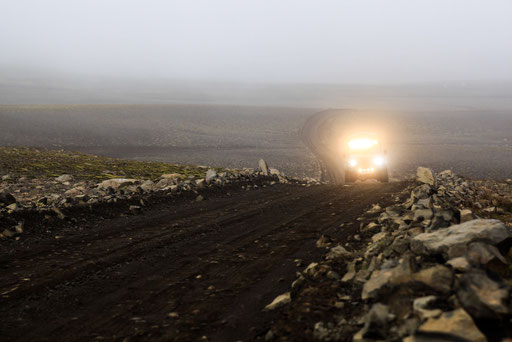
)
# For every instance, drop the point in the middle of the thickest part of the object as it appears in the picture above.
(258, 42)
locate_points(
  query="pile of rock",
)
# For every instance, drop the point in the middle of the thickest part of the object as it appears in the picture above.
(51, 196)
(435, 267)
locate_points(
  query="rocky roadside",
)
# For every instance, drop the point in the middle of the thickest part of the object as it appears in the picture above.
(434, 267)
(53, 200)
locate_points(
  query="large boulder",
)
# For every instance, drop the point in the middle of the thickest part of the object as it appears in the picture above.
(453, 241)
(425, 175)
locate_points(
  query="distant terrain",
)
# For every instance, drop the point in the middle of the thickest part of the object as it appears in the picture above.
(223, 136)
(472, 142)
(38, 86)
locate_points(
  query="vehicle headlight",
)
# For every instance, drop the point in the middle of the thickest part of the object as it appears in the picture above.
(352, 162)
(379, 160)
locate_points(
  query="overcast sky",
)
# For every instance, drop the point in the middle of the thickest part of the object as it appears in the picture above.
(336, 41)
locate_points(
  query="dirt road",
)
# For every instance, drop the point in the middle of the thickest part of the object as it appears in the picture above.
(178, 272)
(314, 134)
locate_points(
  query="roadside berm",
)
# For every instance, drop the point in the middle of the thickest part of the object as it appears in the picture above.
(435, 266)
(49, 200)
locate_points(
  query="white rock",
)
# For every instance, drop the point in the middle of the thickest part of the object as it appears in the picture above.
(423, 214)
(148, 185)
(446, 174)
(263, 167)
(374, 209)
(19, 227)
(279, 301)
(64, 178)
(323, 241)
(170, 175)
(378, 236)
(210, 175)
(370, 225)
(386, 277)
(459, 264)
(321, 332)
(425, 175)
(274, 172)
(298, 282)
(12, 208)
(117, 183)
(135, 209)
(351, 272)
(310, 270)
(338, 252)
(75, 191)
(376, 324)
(420, 307)
(466, 215)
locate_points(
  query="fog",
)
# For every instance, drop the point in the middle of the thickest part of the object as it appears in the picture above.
(286, 41)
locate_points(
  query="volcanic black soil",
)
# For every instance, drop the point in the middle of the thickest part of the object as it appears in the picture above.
(181, 271)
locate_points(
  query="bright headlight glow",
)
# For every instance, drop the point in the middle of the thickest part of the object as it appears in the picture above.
(362, 144)
(379, 160)
(352, 162)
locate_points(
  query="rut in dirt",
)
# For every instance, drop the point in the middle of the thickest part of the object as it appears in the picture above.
(181, 273)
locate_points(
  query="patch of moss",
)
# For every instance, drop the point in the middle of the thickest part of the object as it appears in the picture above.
(43, 163)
